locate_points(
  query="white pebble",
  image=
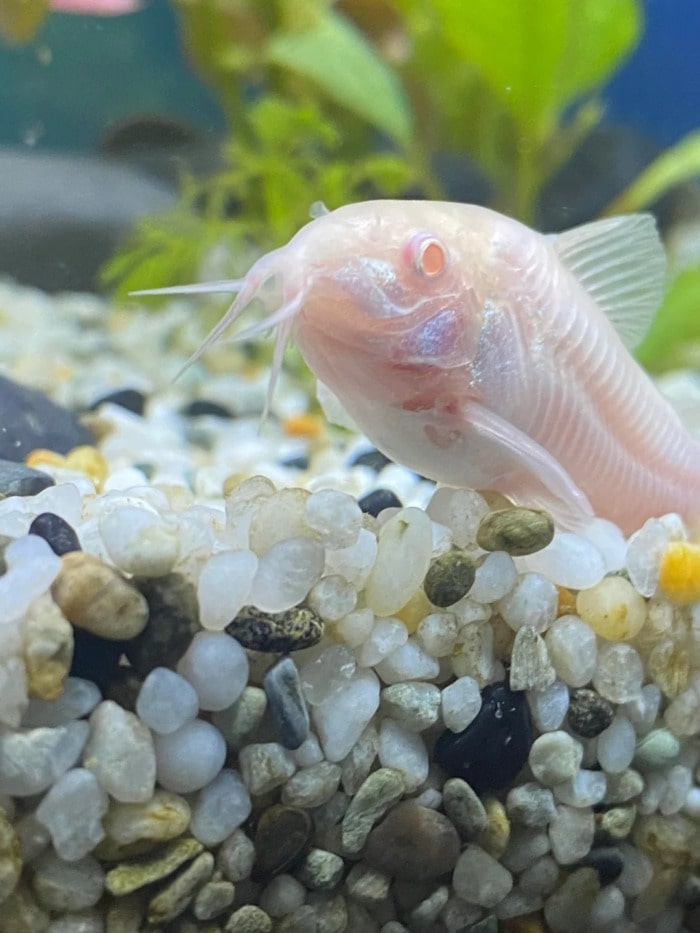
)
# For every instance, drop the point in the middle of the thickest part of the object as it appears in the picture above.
(355, 627)
(571, 834)
(405, 752)
(679, 781)
(220, 807)
(555, 757)
(332, 597)
(619, 673)
(460, 702)
(643, 558)
(610, 541)
(140, 541)
(283, 895)
(334, 516)
(217, 667)
(341, 719)
(120, 753)
(572, 650)
(479, 879)
(532, 601)
(607, 909)
(637, 872)
(286, 573)
(386, 637)
(355, 562)
(31, 569)
(309, 752)
(31, 760)
(166, 701)
(437, 634)
(616, 745)
(403, 558)
(549, 706)
(72, 812)
(460, 510)
(328, 674)
(644, 709)
(655, 787)
(409, 662)
(494, 578)
(569, 560)
(224, 587)
(584, 789)
(79, 697)
(189, 758)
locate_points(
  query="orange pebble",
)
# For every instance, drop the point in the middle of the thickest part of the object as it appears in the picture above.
(303, 425)
(88, 460)
(41, 457)
(566, 604)
(679, 575)
(414, 611)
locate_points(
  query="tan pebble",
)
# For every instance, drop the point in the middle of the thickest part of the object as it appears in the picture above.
(131, 876)
(494, 838)
(612, 608)
(530, 924)
(249, 919)
(174, 899)
(414, 611)
(47, 649)
(165, 816)
(517, 531)
(673, 839)
(566, 603)
(88, 460)
(10, 857)
(95, 597)
(617, 822)
(657, 894)
(669, 668)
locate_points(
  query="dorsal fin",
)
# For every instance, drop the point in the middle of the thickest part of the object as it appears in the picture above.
(621, 264)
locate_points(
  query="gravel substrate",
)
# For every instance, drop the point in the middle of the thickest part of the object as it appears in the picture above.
(256, 681)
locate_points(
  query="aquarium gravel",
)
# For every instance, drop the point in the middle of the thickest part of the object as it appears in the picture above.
(255, 681)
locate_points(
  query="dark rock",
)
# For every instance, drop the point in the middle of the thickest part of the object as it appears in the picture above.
(202, 406)
(56, 531)
(172, 623)
(377, 500)
(490, 752)
(19, 480)
(130, 399)
(449, 578)
(286, 703)
(62, 216)
(374, 459)
(281, 841)
(274, 632)
(413, 843)
(300, 462)
(608, 863)
(94, 658)
(30, 420)
(589, 714)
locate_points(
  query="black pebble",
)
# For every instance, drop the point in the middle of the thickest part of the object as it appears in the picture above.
(281, 841)
(589, 713)
(608, 863)
(493, 748)
(374, 459)
(173, 620)
(378, 500)
(130, 399)
(297, 463)
(56, 531)
(286, 703)
(202, 406)
(95, 659)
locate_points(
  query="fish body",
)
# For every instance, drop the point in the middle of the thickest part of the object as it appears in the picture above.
(481, 353)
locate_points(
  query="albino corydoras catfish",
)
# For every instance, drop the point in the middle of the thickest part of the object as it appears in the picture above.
(481, 353)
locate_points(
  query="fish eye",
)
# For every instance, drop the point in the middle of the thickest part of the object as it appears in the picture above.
(426, 254)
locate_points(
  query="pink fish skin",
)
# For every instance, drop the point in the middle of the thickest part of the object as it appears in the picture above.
(481, 353)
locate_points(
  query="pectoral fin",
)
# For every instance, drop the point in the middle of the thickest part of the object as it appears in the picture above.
(526, 472)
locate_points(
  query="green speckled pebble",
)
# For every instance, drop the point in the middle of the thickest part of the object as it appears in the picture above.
(656, 749)
(517, 531)
(449, 578)
(274, 632)
(249, 919)
(131, 876)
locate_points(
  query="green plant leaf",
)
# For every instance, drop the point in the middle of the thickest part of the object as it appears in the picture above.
(338, 59)
(678, 164)
(536, 57)
(676, 325)
(20, 19)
